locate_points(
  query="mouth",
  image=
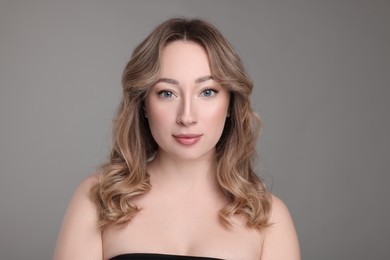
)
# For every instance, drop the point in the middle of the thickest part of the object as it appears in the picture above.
(187, 139)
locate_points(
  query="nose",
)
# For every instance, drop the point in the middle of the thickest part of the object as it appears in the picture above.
(186, 115)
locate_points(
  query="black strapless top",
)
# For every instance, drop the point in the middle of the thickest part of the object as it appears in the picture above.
(153, 256)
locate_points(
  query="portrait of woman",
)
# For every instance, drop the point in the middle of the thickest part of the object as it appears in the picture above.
(180, 181)
(194, 130)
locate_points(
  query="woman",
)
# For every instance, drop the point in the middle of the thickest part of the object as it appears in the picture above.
(179, 183)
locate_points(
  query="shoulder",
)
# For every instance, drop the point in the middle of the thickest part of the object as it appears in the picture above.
(80, 236)
(89, 181)
(86, 184)
(280, 240)
(279, 211)
(81, 196)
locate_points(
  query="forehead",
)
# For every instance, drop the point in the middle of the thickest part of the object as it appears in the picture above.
(184, 59)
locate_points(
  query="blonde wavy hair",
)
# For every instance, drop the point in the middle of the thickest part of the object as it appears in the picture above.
(124, 176)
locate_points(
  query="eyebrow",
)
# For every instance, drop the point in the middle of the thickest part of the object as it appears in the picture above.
(175, 82)
(203, 79)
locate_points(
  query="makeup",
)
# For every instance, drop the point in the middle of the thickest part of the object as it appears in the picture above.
(187, 139)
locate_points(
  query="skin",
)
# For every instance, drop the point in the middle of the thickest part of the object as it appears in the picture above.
(186, 101)
(180, 213)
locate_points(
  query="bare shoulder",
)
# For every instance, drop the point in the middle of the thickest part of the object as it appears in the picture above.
(280, 212)
(281, 241)
(81, 200)
(80, 237)
(86, 184)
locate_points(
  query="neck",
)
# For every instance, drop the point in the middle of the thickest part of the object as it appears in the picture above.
(188, 174)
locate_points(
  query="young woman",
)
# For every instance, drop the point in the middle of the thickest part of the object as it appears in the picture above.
(179, 183)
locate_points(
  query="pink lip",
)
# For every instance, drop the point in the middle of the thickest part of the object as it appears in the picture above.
(187, 139)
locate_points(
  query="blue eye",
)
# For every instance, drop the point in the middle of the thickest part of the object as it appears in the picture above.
(209, 92)
(165, 93)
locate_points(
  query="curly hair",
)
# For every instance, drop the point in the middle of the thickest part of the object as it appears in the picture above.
(125, 176)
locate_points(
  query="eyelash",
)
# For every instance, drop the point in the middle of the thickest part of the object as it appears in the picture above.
(161, 93)
(214, 91)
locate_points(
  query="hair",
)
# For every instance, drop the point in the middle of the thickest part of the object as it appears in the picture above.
(124, 176)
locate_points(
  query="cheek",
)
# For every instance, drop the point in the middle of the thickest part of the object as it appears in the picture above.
(155, 118)
(159, 118)
(216, 114)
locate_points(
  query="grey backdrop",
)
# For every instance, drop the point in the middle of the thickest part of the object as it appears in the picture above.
(321, 71)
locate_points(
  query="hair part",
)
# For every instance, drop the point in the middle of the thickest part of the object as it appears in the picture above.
(124, 176)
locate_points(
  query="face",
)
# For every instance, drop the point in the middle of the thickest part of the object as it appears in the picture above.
(186, 108)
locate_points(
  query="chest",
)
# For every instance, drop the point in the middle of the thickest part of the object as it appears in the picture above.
(187, 230)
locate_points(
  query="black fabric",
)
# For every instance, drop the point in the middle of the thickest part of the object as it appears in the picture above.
(149, 256)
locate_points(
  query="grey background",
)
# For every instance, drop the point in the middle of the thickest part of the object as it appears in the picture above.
(322, 78)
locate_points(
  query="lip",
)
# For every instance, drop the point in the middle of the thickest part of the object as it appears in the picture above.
(187, 139)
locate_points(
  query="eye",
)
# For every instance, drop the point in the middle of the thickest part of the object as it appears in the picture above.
(209, 92)
(165, 94)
